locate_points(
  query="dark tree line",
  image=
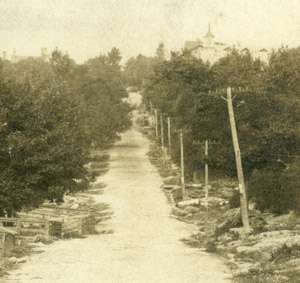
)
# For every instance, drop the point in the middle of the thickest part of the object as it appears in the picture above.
(267, 115)
(52, 114)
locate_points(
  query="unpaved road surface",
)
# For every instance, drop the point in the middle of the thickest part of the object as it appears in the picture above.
(144, 244)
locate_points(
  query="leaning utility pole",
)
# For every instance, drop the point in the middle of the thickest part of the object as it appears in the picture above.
(243, 198)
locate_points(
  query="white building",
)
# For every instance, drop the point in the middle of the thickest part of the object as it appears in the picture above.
(16, 58)
(211, 50)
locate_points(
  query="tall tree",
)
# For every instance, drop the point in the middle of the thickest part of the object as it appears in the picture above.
(160, 52)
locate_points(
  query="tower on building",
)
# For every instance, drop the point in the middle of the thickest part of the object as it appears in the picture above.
(209, 38)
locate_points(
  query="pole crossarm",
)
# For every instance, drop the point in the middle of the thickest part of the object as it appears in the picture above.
(182, 131)
(203, 142)
(222, 93)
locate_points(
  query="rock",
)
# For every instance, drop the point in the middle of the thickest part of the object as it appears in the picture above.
(282, 222)
(179, 212)
(253, 253)
(12, 260)
(191, 210)
(265, 256)
(21, 260)
(47, 240)
(189, 202)
(267, 244)
(225, 238)
(272, 234)
(237, 231)
(232, 213)
(168, 187)
(222, 250)
(75, 206)
(232, 219)
(293, 242)
(244, 268)
(293, 263)
(169, 178)
(174, 167)
(196, 185)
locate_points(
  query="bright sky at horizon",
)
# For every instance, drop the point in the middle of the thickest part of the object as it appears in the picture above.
(86, 28)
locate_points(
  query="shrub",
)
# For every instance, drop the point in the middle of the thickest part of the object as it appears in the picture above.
(234, 201)
(277, 192)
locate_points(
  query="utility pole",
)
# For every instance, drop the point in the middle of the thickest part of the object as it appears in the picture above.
(206, 171)
(169, 134)
(156, 126)
(182, 165)
(152, 116)
(206, 144)
(181, 131)
(243, 198)
(162, 133)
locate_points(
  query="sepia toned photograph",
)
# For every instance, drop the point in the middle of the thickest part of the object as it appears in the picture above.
(149, 141)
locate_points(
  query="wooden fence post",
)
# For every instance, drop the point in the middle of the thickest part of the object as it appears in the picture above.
(3, 244)
(47, 227)
(18, 229)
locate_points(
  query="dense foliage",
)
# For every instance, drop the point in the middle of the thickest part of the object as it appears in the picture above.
(267, 114)
(138, 70)
(52, 114)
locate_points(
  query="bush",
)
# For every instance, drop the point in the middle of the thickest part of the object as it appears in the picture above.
(211, 247)
(234, 201)
(277, 192)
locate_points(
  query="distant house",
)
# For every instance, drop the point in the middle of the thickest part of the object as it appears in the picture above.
(189, 45)
(208, 49)
(16, 58)
(211, 50)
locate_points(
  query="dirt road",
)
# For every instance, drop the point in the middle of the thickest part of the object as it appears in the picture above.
(144, 246)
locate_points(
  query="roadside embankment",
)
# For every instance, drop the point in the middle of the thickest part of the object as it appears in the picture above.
(270, 253)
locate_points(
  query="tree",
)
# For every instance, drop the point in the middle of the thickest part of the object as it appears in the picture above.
(160, 52)
(49, 123)
(174, 90)
(40, 157)
(102, 95)
(267, 114)
(138, 71)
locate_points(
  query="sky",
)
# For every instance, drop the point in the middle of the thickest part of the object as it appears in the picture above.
(87, 28)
